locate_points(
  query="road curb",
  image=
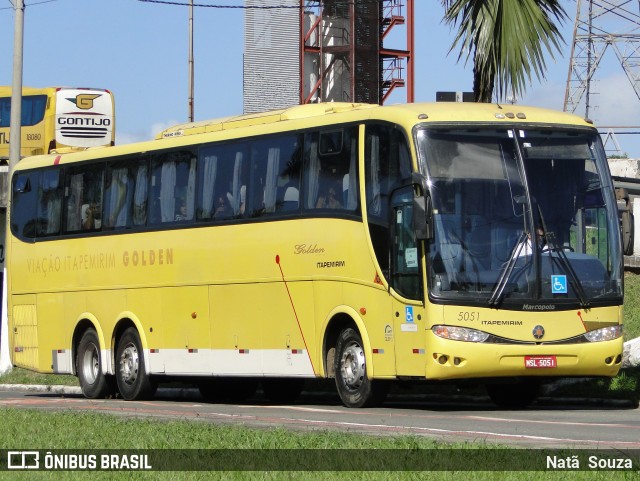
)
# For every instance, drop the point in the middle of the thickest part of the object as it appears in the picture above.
(162, 393)
(55, 389)
(194, 395)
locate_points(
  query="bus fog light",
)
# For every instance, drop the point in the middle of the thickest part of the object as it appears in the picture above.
(604, 334)
(455, 333)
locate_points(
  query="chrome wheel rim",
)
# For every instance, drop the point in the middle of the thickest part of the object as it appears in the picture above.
(91, 364)
(352, 366)
(129, 364)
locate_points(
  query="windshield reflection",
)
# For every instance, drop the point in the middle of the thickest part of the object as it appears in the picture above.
(520, 216)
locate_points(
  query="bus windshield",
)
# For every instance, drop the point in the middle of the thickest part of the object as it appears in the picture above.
(523, 218)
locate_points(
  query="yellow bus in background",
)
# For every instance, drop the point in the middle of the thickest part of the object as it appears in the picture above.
(55, 119)
(421, 242)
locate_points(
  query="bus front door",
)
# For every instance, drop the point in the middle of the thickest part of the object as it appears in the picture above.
(406, 287)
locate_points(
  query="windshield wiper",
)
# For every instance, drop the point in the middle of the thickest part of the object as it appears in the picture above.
(562, 257)
(505, 274)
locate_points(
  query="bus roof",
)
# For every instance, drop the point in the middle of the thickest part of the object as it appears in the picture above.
(247, 120)
(406, 115)
(429, 112)
(5, 90)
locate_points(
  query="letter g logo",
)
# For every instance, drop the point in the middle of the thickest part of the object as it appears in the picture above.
(84, 101)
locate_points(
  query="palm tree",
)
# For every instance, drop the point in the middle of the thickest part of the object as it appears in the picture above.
(506, 40)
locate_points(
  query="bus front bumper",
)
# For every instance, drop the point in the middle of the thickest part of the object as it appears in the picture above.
(448, 359)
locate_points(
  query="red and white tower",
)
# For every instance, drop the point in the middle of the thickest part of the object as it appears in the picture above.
(327, 50)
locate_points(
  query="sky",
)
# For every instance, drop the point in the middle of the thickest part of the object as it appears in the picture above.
(139, 51)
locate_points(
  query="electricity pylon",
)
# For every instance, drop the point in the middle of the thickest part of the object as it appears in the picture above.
(601, 26)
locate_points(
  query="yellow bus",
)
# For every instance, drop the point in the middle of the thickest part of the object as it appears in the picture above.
(420, 242)
(55, 118)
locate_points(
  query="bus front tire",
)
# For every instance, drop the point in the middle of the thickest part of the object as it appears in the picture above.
(355, 389)
(93, 382)
(131, 374)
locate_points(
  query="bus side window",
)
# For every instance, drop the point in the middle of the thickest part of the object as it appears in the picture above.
(24, 222)
(125, 194)
(83, 198)
(140, 193)
(32, 110)
(49, 208)
(208, 162)
(275, 171)
(221, 189)
(115, 197)
(331, 176)
(5, 111)
(173, 187)
(255, 200)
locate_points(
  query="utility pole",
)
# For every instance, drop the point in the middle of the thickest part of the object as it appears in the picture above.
(191, 116)
(16, 86)
(14, 157)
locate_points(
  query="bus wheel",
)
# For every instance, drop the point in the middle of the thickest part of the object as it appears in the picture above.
(93, 382)
(354, 388)
(516, 395)
(281, 391)
(131, 374)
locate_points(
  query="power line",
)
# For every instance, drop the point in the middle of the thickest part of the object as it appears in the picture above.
(239, 7)
(254, 7)
(25, 5)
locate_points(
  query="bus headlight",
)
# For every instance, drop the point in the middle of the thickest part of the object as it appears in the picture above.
(604, 334)
(460, 333)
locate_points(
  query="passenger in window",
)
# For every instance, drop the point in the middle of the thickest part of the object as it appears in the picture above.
(223, 209)
(540, 241)
(90, 219)
(182, 212)
(329, 199)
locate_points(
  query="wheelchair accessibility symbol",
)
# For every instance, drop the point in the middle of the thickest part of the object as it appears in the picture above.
(559, 285)
(408, 310)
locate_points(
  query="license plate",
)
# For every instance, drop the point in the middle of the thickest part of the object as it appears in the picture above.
(540, 362)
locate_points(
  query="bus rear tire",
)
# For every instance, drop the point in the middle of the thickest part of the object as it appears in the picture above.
(131, 374)
(93, 382)
(355, 389)
(516, 395)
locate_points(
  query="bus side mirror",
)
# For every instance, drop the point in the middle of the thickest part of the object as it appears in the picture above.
(423, 217)
(422, 209)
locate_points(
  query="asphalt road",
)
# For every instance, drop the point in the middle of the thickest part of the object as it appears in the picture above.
(549, 423)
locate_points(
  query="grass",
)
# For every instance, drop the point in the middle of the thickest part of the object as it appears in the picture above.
(34, 430)
(24, 376)
(631, 306)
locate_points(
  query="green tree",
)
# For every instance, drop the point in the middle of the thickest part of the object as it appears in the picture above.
(506, 39)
